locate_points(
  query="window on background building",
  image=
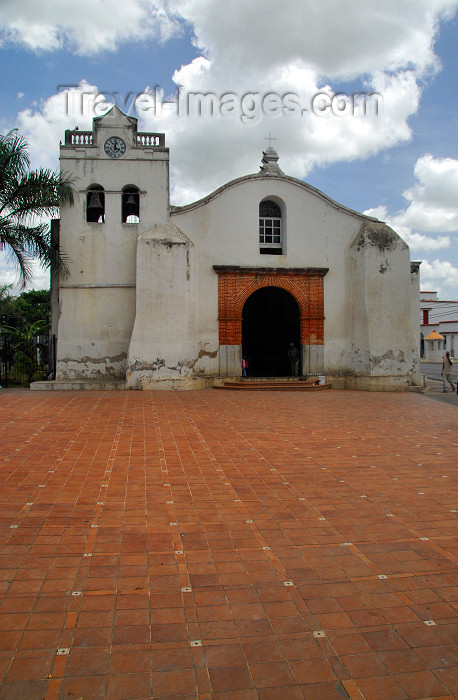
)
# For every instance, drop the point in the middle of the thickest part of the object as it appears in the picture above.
(95, 204)
(425, 316)
(270, 228)
(130, 205)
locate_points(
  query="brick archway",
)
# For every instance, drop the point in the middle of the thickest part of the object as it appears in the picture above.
(236, 284)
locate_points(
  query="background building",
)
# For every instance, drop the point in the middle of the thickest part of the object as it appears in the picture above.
(440, 317)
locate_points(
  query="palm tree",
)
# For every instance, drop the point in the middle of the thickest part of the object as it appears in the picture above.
(7, 303)
(26, 197)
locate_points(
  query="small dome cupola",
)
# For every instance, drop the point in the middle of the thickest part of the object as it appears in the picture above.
(269, 164)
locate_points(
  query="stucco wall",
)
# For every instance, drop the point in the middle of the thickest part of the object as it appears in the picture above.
(142, 298)
(97, 301)
(382, 348)
(367, 291)
(94, 332)
(225, 232)
(166, 344)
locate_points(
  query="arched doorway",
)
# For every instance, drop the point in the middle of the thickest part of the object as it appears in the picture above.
(270, 322)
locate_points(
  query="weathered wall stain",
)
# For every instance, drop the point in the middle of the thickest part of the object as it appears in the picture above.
(380, 236)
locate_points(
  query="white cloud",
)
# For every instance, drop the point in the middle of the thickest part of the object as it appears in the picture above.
(416, 241)
(379, 212)
(44, 126)
(227, 146)
(336, 38)
(433, 199)
(441, 276)
(433, 207)
(88, 27)
(9, 275)
(300, 53)
(245, 51)
(433, 210)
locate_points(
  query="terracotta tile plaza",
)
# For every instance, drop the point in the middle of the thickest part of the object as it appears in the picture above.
(220, 545)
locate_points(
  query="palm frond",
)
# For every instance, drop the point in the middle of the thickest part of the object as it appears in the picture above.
(14, 156)
(25, 197)
(18, 255)
(38, 193)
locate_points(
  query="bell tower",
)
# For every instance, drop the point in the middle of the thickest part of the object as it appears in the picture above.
(121, 177)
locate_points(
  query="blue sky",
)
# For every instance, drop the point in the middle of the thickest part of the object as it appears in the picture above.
(400, 165)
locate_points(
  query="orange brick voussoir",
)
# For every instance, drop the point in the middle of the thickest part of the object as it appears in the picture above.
(236, 284)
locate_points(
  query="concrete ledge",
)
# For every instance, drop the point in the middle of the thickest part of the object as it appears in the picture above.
(146, 383)
(80, 385)
(380, 383)
(398, 384)
(417, 389)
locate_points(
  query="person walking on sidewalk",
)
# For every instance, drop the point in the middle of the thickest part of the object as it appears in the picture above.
(447, 369)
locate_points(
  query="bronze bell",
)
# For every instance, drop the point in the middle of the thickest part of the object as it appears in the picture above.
(130, 206)
(94, 201)
(95, 210)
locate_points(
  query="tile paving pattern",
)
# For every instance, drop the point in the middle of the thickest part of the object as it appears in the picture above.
(222, 546)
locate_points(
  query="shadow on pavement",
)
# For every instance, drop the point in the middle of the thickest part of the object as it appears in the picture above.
(434, 390)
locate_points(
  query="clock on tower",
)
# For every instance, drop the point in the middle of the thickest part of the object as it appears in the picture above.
(115, 147)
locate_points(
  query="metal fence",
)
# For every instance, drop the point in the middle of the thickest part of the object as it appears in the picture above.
(20, 369)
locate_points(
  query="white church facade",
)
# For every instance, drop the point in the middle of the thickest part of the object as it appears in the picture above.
(166, 297)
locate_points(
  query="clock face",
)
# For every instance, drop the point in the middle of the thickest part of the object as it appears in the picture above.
(115, 147)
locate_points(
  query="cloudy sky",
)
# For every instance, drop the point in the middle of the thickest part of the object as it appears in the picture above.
(361, 97)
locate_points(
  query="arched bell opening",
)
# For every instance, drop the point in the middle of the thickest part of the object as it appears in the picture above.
(270, 322)
(130, 205)
(95, 204)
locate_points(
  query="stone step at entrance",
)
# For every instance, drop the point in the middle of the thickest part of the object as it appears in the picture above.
(274, 384)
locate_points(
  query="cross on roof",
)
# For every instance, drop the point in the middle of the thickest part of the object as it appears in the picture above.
(269, 138)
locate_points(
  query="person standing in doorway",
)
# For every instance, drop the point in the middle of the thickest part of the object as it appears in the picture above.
(243, 367)
(293, 354)
(447, 371)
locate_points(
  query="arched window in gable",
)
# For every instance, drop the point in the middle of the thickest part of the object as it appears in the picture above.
(95, 204)
(130, 205)
(270, 228)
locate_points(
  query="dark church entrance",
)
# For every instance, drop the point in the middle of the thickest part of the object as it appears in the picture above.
(270, 322)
